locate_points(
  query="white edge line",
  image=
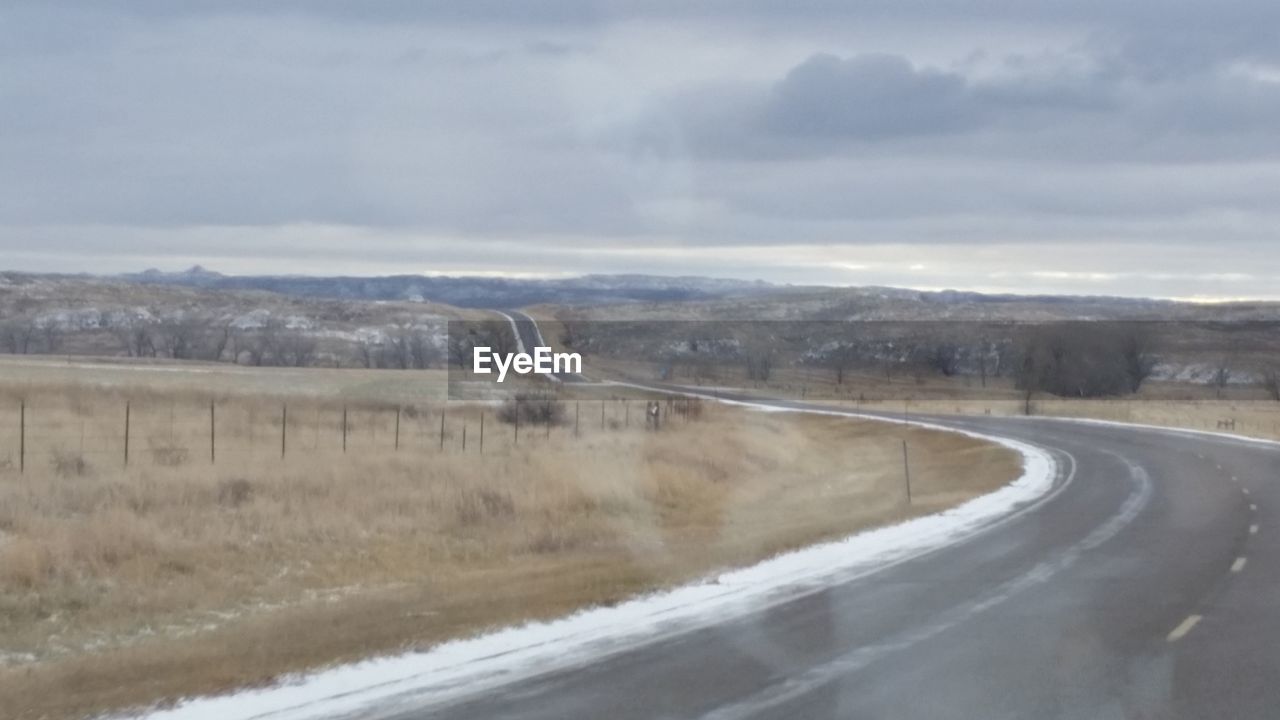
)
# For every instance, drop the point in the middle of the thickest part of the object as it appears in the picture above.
(1183, 628)
(1144, 426)
(462, 668)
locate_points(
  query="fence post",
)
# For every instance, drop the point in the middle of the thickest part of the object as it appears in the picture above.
(442, 429)
(344, 429)
(464, 436)
(22, 437)
(284, 426)
(397, 427)
(906, 469)
(481, 432)
(213, 438)
(126, 433)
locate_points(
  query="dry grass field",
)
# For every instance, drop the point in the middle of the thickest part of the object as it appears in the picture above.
(181, 574)
(219, 379)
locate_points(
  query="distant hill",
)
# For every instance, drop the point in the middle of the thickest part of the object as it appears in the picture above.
(203, 314)
(474, 292)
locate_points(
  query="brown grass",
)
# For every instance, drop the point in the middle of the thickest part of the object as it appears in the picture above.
(177, 576)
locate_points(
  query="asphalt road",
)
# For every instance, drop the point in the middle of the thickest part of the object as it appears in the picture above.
(1148, 586)
(530, 337)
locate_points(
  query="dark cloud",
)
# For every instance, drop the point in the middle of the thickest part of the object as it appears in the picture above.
(1104, 110)
(868, 97)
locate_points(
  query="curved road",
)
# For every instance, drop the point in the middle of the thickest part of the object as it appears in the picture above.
(1148, 586)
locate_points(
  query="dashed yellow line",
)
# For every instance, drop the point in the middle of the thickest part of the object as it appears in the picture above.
(1253, 529)
(1183, 628)
(1244, 490)
(1238, 565)
(1252, 506)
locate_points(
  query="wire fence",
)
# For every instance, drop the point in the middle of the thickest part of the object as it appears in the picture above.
(154, 432)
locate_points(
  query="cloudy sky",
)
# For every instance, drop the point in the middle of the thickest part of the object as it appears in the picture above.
(1090, 146)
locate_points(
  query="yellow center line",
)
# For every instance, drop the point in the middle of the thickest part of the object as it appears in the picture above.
(1253, 529)
(1244, 490)
(1252, 506)
(1183, 628)
(1238, 565)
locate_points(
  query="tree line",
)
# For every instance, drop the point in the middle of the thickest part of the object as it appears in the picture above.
(189, 336)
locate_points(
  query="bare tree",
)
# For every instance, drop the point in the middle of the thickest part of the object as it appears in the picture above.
(424, 352)
(759, 365)
(1005, 353)
(261, 345)
(1223, 368)
(943, 356)
(136, 336)
(499, 337)
(295, 349)
(1271, 381)
(757, 352)
(19, 334)
(1221, 376)
(370, 352)
(1137, 352)
(180, 336)
(983, 359)
(409, 347)
(461, 341)
(221, 339)
(51, 333)
(1085, 360)
(840, 359)
(570, 332)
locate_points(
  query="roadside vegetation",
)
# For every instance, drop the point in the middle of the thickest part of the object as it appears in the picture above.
(178, 574)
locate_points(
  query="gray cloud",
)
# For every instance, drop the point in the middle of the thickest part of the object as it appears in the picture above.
(868, 97)
(581, 135)
(1067, 108)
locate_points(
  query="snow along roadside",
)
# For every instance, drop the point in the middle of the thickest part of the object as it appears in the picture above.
(461, 668)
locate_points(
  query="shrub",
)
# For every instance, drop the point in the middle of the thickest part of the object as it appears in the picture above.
(532, 409)
(68, 464)
(234, 493)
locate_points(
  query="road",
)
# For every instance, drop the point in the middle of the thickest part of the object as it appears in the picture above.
(1148, 586)
(529, 337)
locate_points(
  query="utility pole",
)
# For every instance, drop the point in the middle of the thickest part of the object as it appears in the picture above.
(906, 469)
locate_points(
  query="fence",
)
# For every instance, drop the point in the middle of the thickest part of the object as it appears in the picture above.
(158, 432)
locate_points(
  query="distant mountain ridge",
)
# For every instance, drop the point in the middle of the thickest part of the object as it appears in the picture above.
(704, 297)
(464, 291)
(489, 292)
